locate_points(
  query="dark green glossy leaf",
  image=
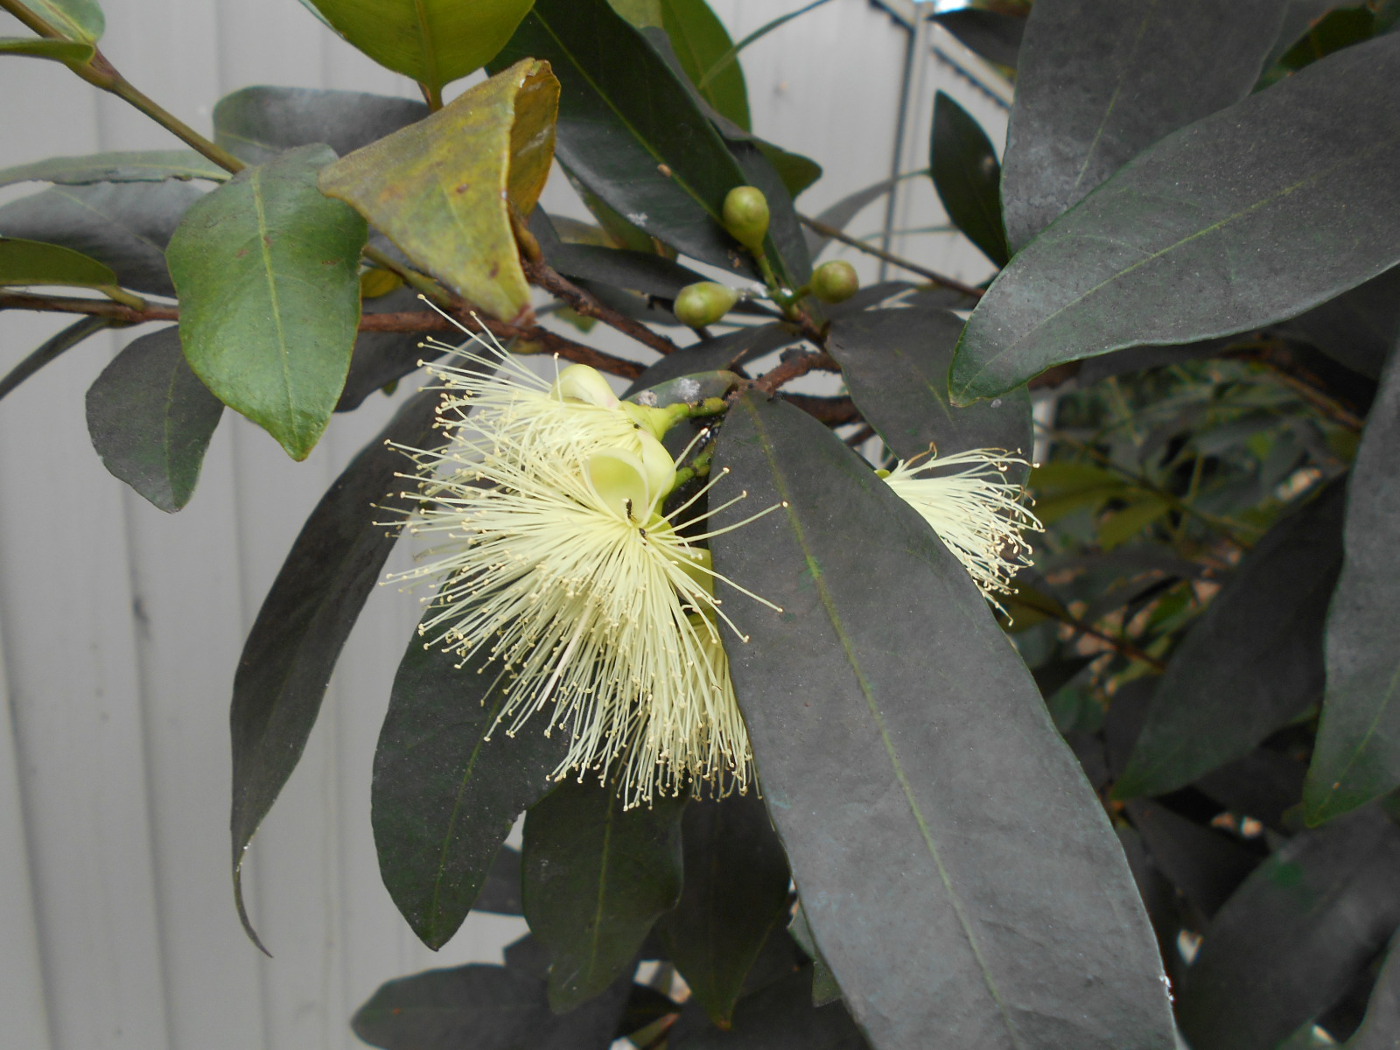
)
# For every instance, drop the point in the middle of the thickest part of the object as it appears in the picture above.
(967, 176)
(268, 274)
(431, 41)
(1251, 663)
(896, 367)
(1206, 865)
(928, 747)
(779, 1017)
(626, 120)
(126, 226)
(150, 419)
(796, 171)
(995, 35)
(305, 619)
(1357, 756)
(25, 262)
(596, 878)
(50, 350)
(643, 272)
(500, 893)
(257, 123)
(1378, 1030)
(1264, 784)
(74, 19)
(1298, 15)
(70, 52)
(484, 1008)
(1359, 327)
(700, 39)
(444, 795)
(1249, 216)
(735, 895)
(1291, 940)
(120, 166)
(726, 352)
(1100, 81)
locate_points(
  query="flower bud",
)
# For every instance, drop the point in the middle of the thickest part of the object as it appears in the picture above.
(835, 281)
(704, 302)
(746, 216)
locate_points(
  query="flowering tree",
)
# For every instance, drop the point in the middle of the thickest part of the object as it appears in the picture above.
(752, 662)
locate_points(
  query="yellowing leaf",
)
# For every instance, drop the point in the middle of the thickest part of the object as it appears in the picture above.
(443, 189)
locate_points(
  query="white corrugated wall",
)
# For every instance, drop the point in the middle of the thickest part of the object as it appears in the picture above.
(120, 626)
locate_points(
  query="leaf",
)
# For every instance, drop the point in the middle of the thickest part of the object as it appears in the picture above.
(50, 349)
(1244, 218)
(700, 39)
(150, 419)
(25, 262)
(119, 166)
(735, 894)
(268, 274)
(257, 123)
(484, 1008)
(925, 748)
(1206, 865)
(967, 176)
(74, 19)
(720, 65)
(779, 1017)
(431, 41)
(626, 120)
(382, 358)
(443, 189)
(1251, 663)
(1290, 941)
(126, 226)
(500, 893)
(305, 619)
(69, 52)
(643, 272)
(723, 353)
(447, 789)
(596, 879)
(1357, 755)
(1377, 1031)
(896, 367)
(1099, 81)
(995, 35)
(838, 215)
(1358, 327)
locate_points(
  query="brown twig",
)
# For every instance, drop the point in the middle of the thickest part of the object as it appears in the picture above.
(404, 321)
(541, 274)
(833, 411)
(904, 264)
(794, 365)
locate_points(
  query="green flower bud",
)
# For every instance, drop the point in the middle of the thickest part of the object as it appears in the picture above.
(835, 281)
(704, 302)
(746, 216)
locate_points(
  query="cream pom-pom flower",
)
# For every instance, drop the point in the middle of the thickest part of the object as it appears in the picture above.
(560, 571)
(975, 511)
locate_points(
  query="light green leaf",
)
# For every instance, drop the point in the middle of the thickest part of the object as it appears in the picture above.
(700, 40)
(26, 262)
(433, 41)
(75, 19)
(267, 272)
